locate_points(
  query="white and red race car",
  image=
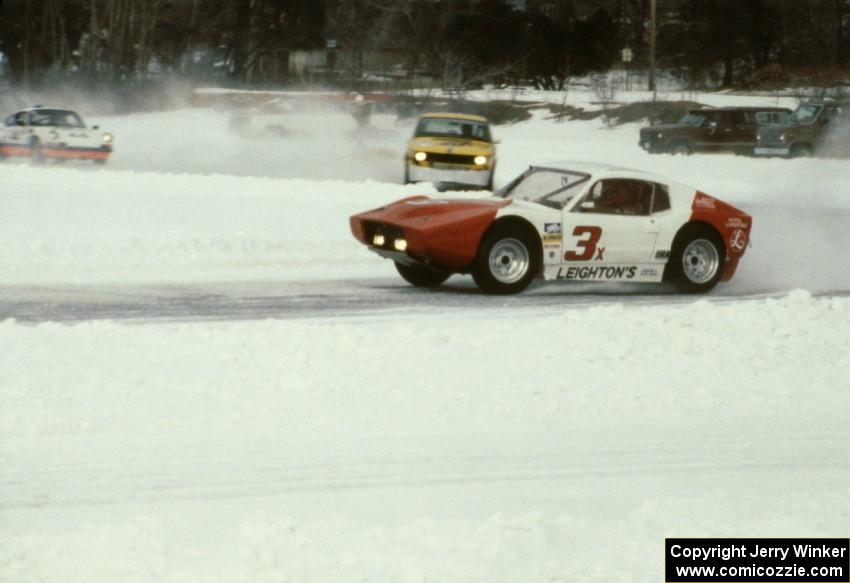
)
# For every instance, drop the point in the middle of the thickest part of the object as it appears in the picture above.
(574, 222)
(42, 133)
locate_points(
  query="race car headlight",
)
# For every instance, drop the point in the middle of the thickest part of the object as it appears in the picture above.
(659, 135)
(378, 240)
(400, 245)
(420, 156)
(783, 137)
(480, 160)
(53, 135)
(107, 138)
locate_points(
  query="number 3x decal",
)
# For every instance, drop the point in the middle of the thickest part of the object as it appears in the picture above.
(587, 247)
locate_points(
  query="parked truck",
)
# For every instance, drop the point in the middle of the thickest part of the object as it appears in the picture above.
(812, 129)
(723, 129)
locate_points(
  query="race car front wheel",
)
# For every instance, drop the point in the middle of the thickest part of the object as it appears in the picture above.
(507, 261)
(421, 276)
(697, 260)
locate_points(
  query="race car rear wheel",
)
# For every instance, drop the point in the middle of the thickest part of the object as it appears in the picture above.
(697, 260)
(507, 261)
(421, 276)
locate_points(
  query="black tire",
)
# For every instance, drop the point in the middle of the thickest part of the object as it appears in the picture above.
(697, 260)
(681, 149)
(508, 259)
(421, 276)
(802, 151)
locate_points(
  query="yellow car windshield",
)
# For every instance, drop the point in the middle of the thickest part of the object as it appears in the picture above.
(439, 127)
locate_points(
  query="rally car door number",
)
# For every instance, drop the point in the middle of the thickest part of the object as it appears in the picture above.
(586, 245)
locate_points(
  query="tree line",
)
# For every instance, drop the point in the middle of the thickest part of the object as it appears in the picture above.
(455, 42)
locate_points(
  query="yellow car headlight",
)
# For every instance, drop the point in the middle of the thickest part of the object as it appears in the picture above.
(480, 160)
(420, 156)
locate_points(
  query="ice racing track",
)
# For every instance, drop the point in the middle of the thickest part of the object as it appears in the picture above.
(340, 298)
(124, 462)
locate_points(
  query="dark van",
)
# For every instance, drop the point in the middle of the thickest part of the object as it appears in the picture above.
(722, 129)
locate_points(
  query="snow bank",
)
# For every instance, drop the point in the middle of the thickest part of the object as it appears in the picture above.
(498, 446)
(417, 373)
(532, 547)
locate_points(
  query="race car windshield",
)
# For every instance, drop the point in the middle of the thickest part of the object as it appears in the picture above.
(692, 119)
(806, 113)
(55, 117)
(550, 187)
(438, 127)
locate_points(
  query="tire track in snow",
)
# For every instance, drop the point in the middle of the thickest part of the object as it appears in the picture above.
(89, 474)
(332, 298)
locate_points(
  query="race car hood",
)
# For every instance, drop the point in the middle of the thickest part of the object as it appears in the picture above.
(460, 146)
(418, 211)
(439, 231)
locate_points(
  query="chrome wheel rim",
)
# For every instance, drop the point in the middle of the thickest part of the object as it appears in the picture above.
(700, 261)
(509, 260)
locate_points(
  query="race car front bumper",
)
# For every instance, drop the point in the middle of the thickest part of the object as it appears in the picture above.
(449, 175)
(783, 151)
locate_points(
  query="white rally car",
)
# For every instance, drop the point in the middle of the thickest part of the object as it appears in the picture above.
(43, 133)
(573, 222)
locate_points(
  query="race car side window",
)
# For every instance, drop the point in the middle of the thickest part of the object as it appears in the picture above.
(10, 121)
(660, 199)
(73, 120)
(618, 196)
(41, 118)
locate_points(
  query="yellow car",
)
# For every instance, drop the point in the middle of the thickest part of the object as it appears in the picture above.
(451, 149)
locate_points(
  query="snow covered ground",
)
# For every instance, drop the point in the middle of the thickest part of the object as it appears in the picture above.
(501, 442)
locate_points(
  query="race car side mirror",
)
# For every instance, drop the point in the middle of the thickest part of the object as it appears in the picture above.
(95, 127)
